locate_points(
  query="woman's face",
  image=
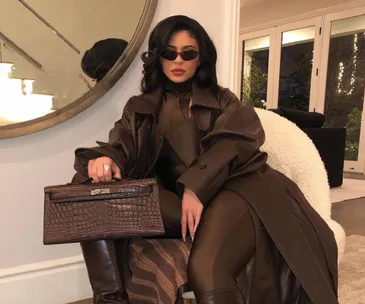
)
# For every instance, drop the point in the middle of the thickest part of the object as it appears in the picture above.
(183, 67)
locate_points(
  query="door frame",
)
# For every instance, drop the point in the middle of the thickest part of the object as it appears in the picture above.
(275, 34)
(252, 35)
(349, 166)
(317, 23)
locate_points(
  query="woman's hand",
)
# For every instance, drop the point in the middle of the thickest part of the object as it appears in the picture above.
(192, 210)
(103, 169)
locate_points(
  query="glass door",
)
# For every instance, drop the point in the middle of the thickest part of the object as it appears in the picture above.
(296, 65)
(256, 60)
(342, 100)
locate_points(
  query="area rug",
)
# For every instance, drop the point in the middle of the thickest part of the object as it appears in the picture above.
(350, 189)
(352, 272)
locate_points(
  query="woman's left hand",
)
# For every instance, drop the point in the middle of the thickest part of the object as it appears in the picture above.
(192, 210)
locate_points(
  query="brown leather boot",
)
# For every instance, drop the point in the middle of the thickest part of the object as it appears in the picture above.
(223, 297)
(104, 274)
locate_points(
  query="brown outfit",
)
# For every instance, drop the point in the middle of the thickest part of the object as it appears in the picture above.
(295, 254)
(219, 253)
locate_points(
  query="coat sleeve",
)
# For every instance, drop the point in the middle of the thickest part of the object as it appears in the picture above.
(120, 148)
(234, 141)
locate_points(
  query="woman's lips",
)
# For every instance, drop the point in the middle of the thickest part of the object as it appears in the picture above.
(178, 72)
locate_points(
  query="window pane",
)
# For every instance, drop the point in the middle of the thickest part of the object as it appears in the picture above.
(345, 80)
(255, 66)
(296, 68)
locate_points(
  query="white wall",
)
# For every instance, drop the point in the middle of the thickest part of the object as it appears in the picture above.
(31, 162)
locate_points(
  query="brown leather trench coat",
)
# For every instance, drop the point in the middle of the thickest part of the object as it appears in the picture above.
(296, 253)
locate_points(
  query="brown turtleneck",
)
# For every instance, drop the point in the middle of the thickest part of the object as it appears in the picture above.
(175, 106)
(174, 111)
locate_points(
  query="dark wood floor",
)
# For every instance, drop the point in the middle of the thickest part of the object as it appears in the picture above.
(350, 214)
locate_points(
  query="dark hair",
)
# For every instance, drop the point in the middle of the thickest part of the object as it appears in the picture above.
(97, 61)
(205, 75)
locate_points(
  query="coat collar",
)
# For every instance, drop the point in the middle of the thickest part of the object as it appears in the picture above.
(150, 103)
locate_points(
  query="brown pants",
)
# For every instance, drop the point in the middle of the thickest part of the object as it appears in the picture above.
(224, 243)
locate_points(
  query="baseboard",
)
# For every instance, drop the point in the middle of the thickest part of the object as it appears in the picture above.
(52, 282)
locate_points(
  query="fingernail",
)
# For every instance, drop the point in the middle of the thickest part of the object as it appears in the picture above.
(192, 238)
(184, 238)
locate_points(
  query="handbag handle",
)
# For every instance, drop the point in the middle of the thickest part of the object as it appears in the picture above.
(116, 179)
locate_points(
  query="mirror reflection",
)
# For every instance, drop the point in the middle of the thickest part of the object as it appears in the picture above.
(53, 52)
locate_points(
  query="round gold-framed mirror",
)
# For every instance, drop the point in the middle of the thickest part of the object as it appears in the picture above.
(62, 22)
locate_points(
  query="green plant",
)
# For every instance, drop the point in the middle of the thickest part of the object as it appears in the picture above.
(353, 128)
(254, 86)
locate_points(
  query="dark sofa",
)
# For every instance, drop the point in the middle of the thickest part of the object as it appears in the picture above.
(330, 142)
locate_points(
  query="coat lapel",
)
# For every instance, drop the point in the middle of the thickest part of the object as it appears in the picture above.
(203, 105)
(148, 103)
(150, 137)
(185, 140)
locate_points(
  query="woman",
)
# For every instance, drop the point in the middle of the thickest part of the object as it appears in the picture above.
(203, 145)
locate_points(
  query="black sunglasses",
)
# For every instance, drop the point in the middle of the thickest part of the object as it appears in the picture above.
(185, 55)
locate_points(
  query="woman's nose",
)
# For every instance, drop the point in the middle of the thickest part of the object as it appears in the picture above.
(179, 59)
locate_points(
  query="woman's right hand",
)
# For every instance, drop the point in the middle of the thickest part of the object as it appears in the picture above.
(103, 169)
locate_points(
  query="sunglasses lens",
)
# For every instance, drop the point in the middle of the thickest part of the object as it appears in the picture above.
(185, 55)
(169, 55)
(189, 55)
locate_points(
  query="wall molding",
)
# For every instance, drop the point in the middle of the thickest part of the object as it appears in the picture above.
(231, 28)
(308, 15)
(51, 282)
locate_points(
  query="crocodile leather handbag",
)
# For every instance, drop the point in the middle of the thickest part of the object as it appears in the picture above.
(94, 211)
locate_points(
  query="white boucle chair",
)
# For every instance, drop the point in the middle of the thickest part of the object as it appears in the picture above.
(293, 153)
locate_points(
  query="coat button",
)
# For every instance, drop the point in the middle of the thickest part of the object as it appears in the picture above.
(203, 165)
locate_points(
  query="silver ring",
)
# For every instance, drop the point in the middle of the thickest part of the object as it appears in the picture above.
(107, 168)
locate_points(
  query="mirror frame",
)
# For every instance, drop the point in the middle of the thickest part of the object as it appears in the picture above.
(93, 95)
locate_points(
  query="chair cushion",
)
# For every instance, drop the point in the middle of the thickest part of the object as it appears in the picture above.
(292, 153)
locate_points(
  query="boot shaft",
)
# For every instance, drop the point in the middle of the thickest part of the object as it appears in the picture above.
(105, 273)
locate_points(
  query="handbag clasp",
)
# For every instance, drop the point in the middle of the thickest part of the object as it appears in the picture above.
(100, 191)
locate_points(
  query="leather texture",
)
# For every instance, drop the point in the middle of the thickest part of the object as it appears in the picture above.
(223, 297)
(104, 272)
(96, 211)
